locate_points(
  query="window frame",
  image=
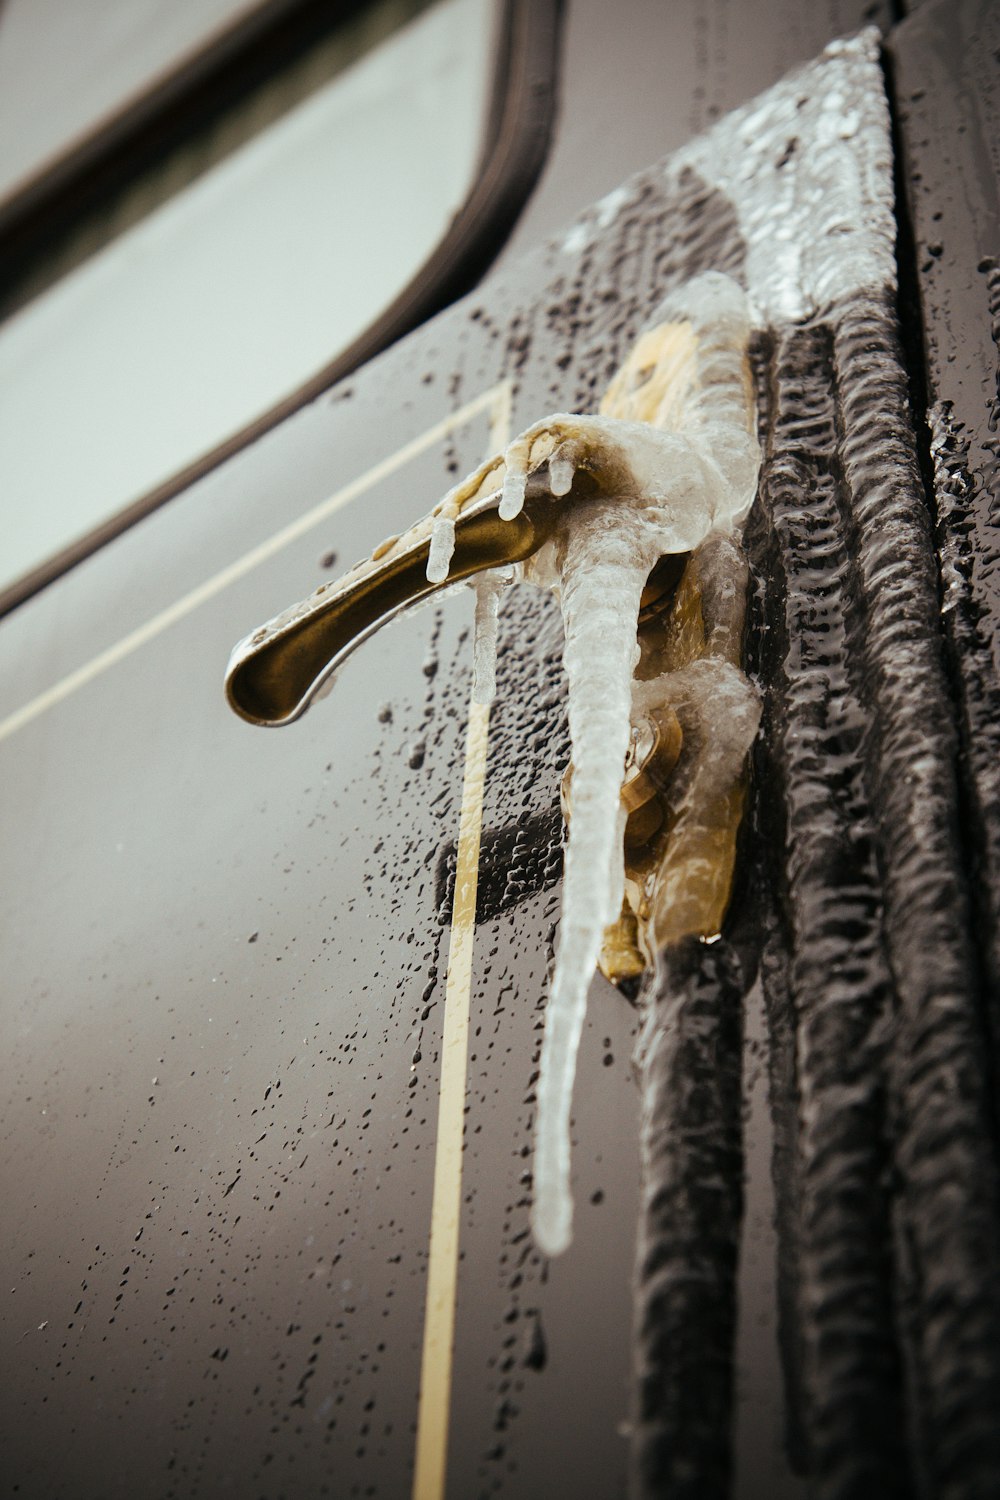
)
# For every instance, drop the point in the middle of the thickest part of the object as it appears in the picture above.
(518, 128)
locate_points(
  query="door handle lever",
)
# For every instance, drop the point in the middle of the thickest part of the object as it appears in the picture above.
(278, 670)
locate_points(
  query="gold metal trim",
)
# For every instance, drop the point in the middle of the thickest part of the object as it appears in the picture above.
(442, 1269)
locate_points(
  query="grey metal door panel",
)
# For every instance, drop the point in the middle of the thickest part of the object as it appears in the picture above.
(225, 958)
(225, 973)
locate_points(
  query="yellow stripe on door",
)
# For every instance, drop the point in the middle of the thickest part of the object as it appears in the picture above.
(442, 1270)
(434, 1405)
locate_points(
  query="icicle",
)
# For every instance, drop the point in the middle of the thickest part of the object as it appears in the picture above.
(674, 460)
(441, 549)
(517, 461)
(609, 553)
(561, 472)
(489, 588)
(686, 471)
(512, 499)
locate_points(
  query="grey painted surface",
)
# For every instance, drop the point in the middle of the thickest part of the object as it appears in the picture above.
(157, 836)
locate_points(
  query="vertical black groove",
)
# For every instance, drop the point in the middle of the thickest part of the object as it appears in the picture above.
(973, 674)
(782, 1076)
(945, 1146)
(825, 975)
(689, 1060)
(957, 501)
(765, 647)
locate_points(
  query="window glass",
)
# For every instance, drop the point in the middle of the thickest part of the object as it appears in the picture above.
(94, 57)
(230, 295)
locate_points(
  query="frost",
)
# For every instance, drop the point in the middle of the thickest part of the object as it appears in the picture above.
(670, 463)
(598, 217)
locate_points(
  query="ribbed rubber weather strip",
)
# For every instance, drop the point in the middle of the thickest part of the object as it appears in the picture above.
(689, 1057)
(836, 1292)
(519, 130)
(945, 1145)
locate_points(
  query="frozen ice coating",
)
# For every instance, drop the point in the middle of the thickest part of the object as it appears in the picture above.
(815, 219)
(670, 462)
(632, 517)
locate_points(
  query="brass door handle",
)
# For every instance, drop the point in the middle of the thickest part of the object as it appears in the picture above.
(276, 672)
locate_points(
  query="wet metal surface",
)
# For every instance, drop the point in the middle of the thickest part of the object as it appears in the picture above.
(225, 963)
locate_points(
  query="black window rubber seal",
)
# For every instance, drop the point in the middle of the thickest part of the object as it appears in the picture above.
(517, 134)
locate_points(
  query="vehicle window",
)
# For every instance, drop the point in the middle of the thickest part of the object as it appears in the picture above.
(96, 57)
(240, 287)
